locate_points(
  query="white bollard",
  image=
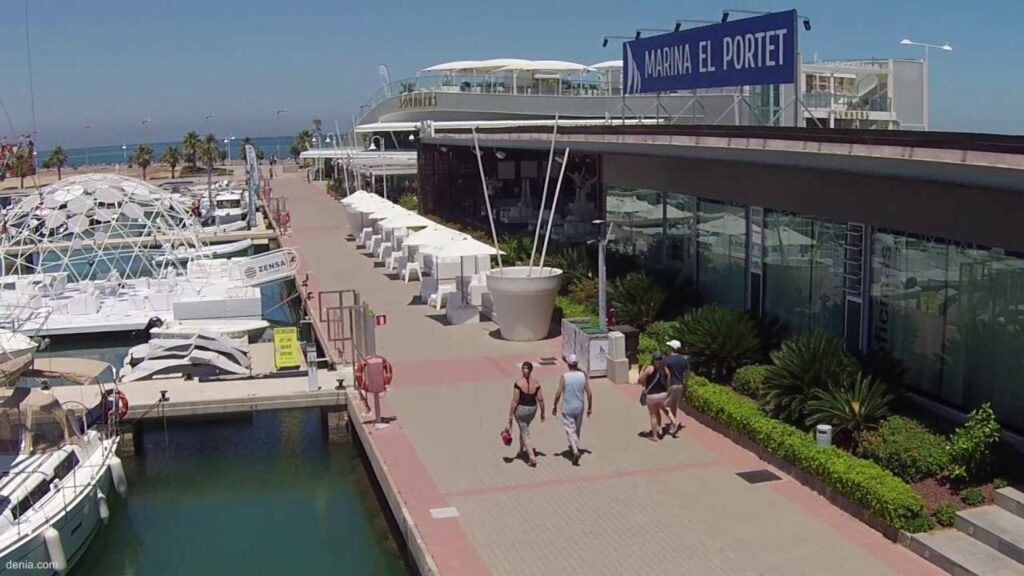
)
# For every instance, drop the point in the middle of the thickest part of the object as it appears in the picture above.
(823, 435)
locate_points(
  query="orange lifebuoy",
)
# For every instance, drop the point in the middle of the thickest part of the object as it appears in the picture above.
(360, 367)
(122, 404)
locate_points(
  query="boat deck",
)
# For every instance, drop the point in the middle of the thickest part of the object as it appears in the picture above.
(466, 505)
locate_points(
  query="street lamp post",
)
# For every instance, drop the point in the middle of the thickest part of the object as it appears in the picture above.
(145, 133)
(124, 152)
(945, 48)
(640, 31)
(227, 142)
(278, 129)
(208, 118)
(383, 172)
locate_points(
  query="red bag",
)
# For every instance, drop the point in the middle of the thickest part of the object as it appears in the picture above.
(506, 437)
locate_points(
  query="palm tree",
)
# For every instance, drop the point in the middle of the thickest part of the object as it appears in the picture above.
(249, 141)
(209, 155)
(171, 157)
(58, 159)
(21, 164)
(143, 156)
(190, 145)
(303, 142)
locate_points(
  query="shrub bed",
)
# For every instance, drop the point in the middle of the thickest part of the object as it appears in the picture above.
(862, 482)
(906, 448)
(749, 379)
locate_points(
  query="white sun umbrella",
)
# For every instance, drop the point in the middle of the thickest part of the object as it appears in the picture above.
(356, 197)
(461, 248)
(409, 220)
(433, 235)
(365, 205)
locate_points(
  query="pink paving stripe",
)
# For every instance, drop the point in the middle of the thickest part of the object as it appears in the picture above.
(466, 370)
(446, 540)
(512, 488)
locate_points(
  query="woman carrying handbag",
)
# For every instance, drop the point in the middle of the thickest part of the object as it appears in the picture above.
(526, 396)
(655, 377)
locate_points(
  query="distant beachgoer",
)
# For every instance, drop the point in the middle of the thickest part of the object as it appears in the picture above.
(655, 379)
(678, 371)
(526, 396)
(572, 386)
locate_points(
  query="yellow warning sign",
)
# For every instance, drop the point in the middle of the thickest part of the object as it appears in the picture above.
(286, 348)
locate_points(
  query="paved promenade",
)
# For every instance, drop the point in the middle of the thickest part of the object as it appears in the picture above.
(632, 507)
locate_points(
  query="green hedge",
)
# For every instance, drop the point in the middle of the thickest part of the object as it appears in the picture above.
(748, 380)
(862, 482)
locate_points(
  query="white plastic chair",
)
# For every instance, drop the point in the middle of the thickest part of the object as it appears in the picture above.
(437, 299)
(384, 251)
(395, 261)
(412, 267)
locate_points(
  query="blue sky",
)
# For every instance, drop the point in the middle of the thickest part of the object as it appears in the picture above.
(113, 63)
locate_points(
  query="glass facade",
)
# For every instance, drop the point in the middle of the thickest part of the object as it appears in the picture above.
(803, 272)
(722, 253)
(954, 314)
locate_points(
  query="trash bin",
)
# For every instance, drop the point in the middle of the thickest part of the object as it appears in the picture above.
(823, 435)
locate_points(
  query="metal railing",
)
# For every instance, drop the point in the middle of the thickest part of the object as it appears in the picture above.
(829, 101)
(349, 324)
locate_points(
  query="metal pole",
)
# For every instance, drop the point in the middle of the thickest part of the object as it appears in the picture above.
(554, 203)
(602, 296)
(487, 198)
(544, 196)
(926, 122)
(796, 71)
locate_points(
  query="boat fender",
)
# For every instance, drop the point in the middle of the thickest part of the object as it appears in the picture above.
(101, 504)
(58, 561)
(117, 475)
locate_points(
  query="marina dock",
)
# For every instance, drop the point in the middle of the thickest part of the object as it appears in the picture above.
(466, 506)
(184, 398)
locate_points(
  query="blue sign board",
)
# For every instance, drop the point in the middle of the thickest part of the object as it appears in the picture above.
(746, 52)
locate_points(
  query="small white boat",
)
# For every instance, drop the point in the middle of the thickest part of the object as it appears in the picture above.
(197, 364)
(223, 228)
(57, 471)
(212, 251)
(14, 345)
(232, 328)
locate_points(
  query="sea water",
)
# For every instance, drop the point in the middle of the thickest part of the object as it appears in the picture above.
(262, 494)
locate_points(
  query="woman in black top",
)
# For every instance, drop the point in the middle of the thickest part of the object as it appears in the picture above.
(655, 379)
(526, 396)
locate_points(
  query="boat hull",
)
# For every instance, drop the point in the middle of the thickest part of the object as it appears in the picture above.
(77, 528)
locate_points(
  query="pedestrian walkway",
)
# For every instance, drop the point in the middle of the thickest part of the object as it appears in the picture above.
(632, 507)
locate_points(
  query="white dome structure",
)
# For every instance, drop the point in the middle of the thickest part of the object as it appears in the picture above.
(88, 226)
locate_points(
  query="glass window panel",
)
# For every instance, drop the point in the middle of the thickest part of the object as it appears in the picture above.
(655, 227)
(722, 253)
(803, 262)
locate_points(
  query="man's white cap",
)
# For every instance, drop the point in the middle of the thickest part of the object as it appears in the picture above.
(571, 360)
(674, 344)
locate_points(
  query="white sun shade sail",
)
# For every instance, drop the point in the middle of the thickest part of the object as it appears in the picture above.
(453, 66)
(461, 248)
(432, 235)
(550, 66)
(607, 64)
(355, 196)
(410, 220)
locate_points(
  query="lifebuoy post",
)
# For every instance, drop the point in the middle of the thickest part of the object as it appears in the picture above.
(374, 374)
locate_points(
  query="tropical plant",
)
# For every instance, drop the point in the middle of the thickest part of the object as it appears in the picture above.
(143, 156)
(850, 407)
(882, 365)
(209, 154)
(58, 159)
(171, 157)
(973, 496)
(516, 249)
(21, 164)
(572, 261)
(303, 141)
(190, 145)
(945, 514)
(583, 291)
(247, 141)
(409, 201)
(719, 340)
(906, 448)
(748, 380)
(804, 364)
(637, 299)
(566, 308)
(654, 338)
(971, 445)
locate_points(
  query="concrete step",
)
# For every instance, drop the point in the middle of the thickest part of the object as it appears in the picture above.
(1011, 499)
(996, 528)
(961, 555)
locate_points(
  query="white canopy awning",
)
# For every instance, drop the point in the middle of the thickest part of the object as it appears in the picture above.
(453, 66)
(607, 64)
(410, 220)
(550, 66)
(461, 248)
(433, 235)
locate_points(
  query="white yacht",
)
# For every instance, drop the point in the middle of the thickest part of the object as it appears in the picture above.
(58, 469)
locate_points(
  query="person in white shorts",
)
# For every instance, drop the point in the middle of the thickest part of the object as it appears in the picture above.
(572, 387)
